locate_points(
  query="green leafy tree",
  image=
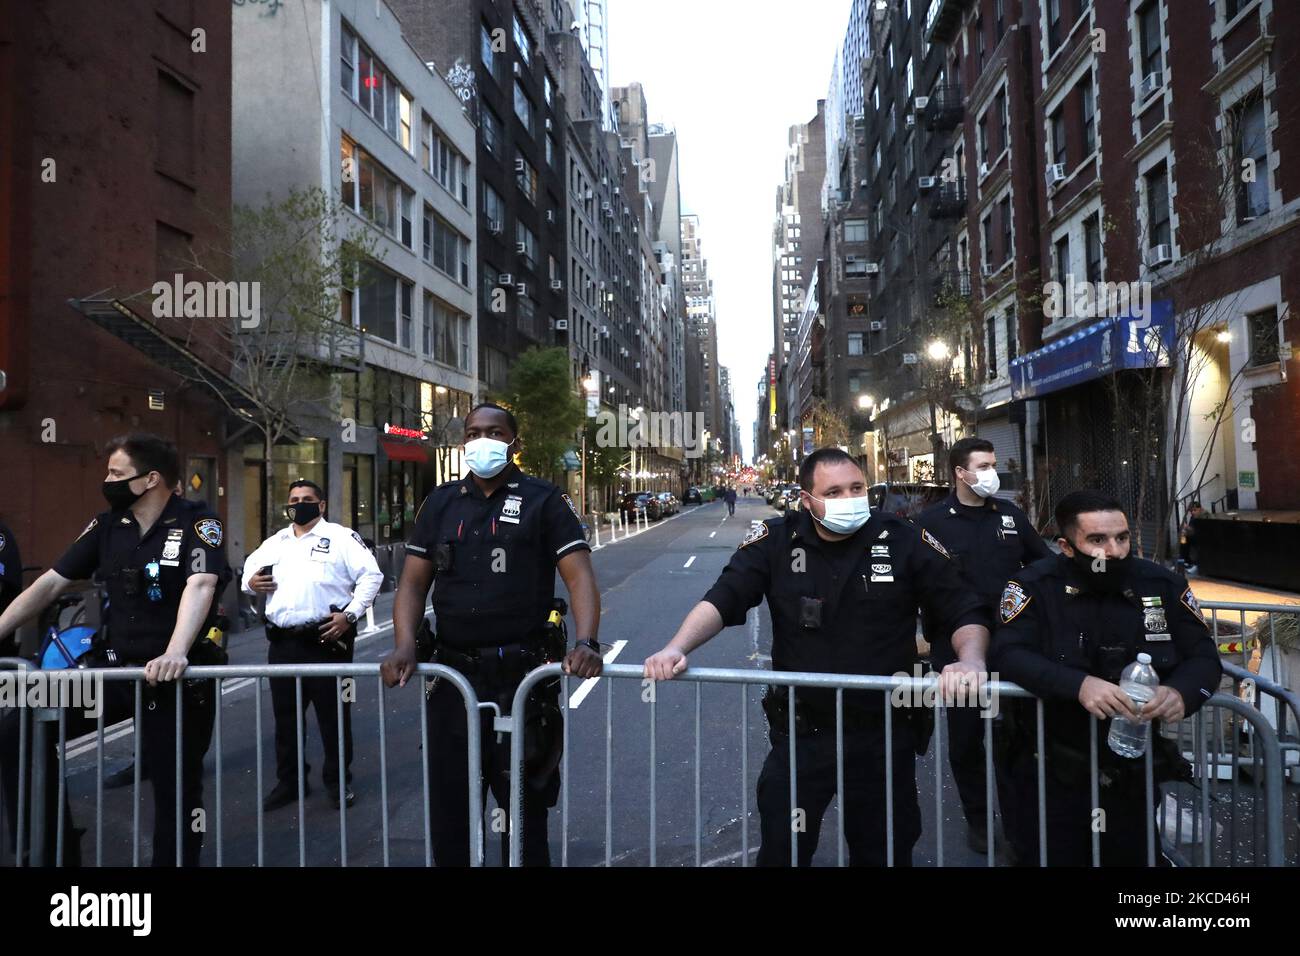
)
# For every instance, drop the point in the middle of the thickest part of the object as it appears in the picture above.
(543, 399)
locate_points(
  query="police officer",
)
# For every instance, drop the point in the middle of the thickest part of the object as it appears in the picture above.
(320, 578)
(989, 540)
(490, 545)
(1069, 625)
(843, 587)
(163, 561)
(11, 582)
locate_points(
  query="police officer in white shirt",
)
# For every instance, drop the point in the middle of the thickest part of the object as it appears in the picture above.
(319, 577)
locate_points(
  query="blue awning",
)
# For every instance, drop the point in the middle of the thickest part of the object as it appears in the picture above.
(1124, 342)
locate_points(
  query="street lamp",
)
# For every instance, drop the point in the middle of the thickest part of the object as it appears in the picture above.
(865, 401)
(938, 350)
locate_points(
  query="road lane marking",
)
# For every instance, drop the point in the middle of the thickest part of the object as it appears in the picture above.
(712, 533)
(689, 562)
(585, 688)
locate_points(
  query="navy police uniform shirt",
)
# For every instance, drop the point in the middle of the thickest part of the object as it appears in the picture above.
(988, 544)
(11, 568)
(844, 607)
(495, 557)
(145, 576)
(1053, 631)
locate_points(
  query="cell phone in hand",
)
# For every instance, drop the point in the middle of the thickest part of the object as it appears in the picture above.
(266, 569)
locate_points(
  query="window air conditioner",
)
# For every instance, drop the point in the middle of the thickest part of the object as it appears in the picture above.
(1150, 83)
(1055, 174)
(505, 278)
(1162, 254)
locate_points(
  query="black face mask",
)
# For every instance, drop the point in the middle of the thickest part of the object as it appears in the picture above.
(1111, 580)
(304, 512)
(119, 495)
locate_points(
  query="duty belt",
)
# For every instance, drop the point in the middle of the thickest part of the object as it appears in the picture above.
(807, 721)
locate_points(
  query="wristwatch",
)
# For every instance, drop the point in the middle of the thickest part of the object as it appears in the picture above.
(351, 618)
(589, 643)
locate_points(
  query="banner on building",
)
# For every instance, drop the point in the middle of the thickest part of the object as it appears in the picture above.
(1123, 342)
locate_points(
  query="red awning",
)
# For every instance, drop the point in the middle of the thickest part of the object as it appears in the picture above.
(400, 451)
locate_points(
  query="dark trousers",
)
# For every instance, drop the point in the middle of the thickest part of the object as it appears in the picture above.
(1070, 818)
(158, 761)
(862, 804)
(449, 806)
(319, 693)
(731, 507)
(965, 729)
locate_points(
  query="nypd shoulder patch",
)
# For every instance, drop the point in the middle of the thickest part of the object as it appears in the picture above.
(359, 540)
(1014, 600)
(1189, 602)
(209, 531)
(3, 542)
(933, 542)
(572, 507)
(757, 533)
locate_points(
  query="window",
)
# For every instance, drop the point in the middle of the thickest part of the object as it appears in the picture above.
(986, 240)
(526, 177)
(378, 196)
(984, 138)
(175, 111)
(404, 122)
(406, 200)
(523, 107)
(1004, 134)
(1053, 25)
(979, 40)
(1058, 136)
(910, 78)
(426, 327)
(1261, 327)
(1252, 144)
(548, 89)
(875, 96)
(1158, 226)
(855, 230)
(1230, 9)
(348, 53)
(485, 51)
(999, 21)
(1088, 104)
(408, 296)
(447, 333)
(491, 131)
(1149, 39)
(1092, 247)
(855, 267)
(494, 207)
(1013, 335)
(1062, 258)
(521, 41)
(444, 248)
(524, 236)
(348, 178)
(552, 152)
(488, 286)
(855, 343)
(992, 335)
(378, 298)
(1005, 207)
(449, 168)
(526, 321)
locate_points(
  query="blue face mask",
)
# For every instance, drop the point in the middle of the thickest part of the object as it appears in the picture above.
(487, 457)
(844, 515)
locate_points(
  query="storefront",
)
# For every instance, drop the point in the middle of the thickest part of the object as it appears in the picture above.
(1101, 427)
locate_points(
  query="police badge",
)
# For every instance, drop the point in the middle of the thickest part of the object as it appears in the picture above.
(511, 509)
(171, 549)
(1014, 600)
(209, 532)
(1153, 619)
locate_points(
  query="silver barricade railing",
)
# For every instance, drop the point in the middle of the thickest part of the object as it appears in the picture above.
(1268, 760)
(31, 769)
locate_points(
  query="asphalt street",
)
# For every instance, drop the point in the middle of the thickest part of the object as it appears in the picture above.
(648, 581)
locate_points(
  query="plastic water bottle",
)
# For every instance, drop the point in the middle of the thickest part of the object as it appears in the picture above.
(1128, 738)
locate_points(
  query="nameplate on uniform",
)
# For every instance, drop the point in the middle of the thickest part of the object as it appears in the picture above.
(1159, 637)
(880, 550)
(171, 552)
(882, 578)
(510, 511)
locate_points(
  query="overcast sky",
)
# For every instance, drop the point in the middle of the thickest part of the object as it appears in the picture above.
(731, 76)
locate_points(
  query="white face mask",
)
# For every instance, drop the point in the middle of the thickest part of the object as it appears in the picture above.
(844, 515)
(487, 457)
(987, 482)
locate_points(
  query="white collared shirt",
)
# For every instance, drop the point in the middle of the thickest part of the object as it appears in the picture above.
(328, 565)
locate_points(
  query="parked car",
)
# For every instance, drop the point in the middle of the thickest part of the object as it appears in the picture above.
(668, 502)
(787, 498)
(640, 502)
(693, 496)
(906, 499)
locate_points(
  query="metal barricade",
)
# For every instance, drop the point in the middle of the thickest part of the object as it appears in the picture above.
(30, 813)
(1267, 762)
